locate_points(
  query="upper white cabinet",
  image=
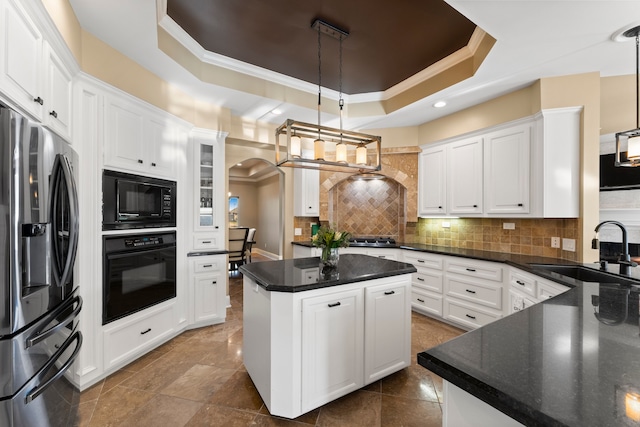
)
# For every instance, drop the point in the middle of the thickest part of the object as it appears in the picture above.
(137, 140)
(432, 197)
(506, 170)
(464, 179)
(32, 74)
(525, 168)
(306, 192)
(208, 199)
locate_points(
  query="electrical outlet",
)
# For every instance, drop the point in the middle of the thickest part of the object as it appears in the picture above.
(297, 231)
(446, 224)
(555, 242)
(569, 245)
(508, 226)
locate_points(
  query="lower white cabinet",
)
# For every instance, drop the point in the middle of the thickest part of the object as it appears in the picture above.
(305, 349)
(128, 338)
(332, 347)
(468, 314)
(207, 274)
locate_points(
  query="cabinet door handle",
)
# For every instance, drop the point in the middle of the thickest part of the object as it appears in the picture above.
(214, 282)
(145, 332)
(470, 316)
(475, 206)
(54, 114)
(470, 291)
(390, 292)
(471, 270)
(519, 282)
(382, 256)
(335, 304)
(420, 300)
(216, 226)
(140, 161)
(420, 279)
(439, 207)
(38, 100)
(153, 164)
(310, 207)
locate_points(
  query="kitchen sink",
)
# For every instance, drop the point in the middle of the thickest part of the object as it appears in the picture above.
(583, 274)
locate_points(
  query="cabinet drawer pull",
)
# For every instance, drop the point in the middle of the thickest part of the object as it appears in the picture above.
(421, 261)
(470, 291)
(145, 332)
(520, 204)
(382, 256)
(471, 269)
(140, 161)
(420, 279)
(335, 304)
(519, 282)
(439, 207)
(207, 266)
(216, 227)
(38, 100)
(153, 164)
(214, 282)
(206, 242)
(420, 300)
(475, 206)
(54, 114)
(390, 292)
(470, 316)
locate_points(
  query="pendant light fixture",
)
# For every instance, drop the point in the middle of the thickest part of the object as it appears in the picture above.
(354, 151)
(628, 142)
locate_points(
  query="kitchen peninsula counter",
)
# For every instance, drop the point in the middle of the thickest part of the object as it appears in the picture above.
(313, 334)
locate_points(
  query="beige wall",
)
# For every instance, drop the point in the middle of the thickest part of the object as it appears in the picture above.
(268, 191)
(617, 104)
(67, 23)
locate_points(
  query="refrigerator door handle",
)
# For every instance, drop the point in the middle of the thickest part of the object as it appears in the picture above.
(63, 263)
(41, 388)
(39, 336)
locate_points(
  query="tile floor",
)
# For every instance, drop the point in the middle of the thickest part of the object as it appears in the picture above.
(197, 379)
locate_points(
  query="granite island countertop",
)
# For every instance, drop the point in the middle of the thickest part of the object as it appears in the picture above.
(291, 275)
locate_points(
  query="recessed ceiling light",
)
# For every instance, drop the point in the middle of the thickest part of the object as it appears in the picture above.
(440, 104)
(238, 164)
(276, 111)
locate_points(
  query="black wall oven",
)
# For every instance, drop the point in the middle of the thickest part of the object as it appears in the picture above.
(134, 201)
(139, 271)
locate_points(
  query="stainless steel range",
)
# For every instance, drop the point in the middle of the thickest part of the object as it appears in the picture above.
(373, 242)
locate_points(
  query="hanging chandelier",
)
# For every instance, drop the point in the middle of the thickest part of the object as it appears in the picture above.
(628, 142)
(310, 146)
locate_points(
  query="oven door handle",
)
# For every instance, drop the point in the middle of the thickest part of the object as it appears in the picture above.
(41, 388)
(39, 336)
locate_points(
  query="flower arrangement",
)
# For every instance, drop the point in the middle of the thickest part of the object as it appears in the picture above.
(328, 239)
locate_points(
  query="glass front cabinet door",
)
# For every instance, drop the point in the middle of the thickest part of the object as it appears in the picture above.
(209, 198)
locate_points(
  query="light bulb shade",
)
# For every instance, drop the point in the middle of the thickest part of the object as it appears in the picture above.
(296, 147)
(632, 406)
(361, 155)
(628, 148)
(341, 153)
(318, 149)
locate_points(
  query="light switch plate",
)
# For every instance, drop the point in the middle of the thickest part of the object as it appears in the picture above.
(555, 242)
(569, 245)
(508, 226)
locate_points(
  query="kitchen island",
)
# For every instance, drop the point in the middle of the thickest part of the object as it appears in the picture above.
(313, 334)
(573, 360)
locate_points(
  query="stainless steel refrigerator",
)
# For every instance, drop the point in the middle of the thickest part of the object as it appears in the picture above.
(39, 300)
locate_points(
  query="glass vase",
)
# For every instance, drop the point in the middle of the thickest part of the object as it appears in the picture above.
(330, 257)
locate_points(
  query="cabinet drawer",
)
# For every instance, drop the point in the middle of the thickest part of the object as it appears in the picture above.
(125, 340)
(475, 291)
(427, 279)
(483, 270)
(427, 302)
(547, 290)
(468, 315)
(423, 259)
(523, 283)
(206, 264)
(205, 242)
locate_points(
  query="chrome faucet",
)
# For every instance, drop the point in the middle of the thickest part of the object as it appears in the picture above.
(625, 258)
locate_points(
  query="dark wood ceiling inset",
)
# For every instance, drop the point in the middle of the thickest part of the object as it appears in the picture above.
(388, 41)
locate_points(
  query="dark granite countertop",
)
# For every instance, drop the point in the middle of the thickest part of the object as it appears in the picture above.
(291, 275)
(557, 363)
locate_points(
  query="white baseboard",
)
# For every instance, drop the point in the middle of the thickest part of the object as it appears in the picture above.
(269, 255)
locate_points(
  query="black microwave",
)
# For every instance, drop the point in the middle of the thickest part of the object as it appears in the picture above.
(134, 201)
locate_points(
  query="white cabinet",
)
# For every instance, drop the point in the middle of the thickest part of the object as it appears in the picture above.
(464, 179)
(527, 289)
(137, 140)
(306, 192)
(208, 200)
(21, 58)
(332, 347)
(432, 175)
(208, 277)
(305, 251)
(58, 94)
(507, 155)
(426, 283)
(388, 330)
